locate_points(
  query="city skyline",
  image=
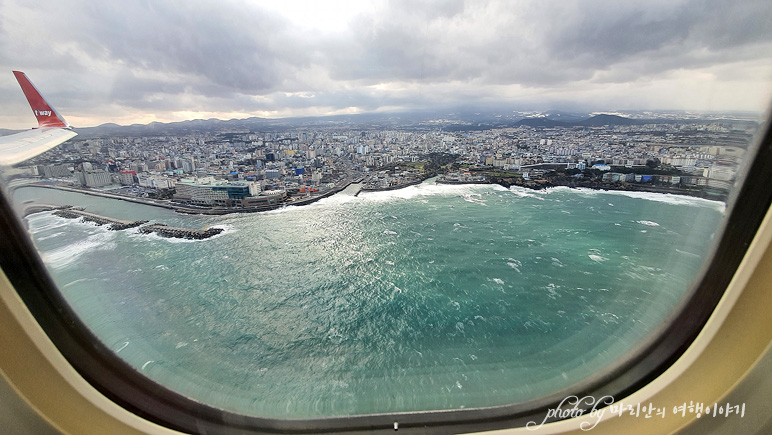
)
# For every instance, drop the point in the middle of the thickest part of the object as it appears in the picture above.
(140, 63)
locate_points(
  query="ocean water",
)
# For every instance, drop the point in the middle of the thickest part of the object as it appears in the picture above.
(432, 297)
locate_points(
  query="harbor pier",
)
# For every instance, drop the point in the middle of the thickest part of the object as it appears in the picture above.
(114, 224)
(180, 233)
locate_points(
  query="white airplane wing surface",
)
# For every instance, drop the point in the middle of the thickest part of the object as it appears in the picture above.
(52, 129)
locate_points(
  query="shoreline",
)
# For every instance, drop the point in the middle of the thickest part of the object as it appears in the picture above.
(305, 201)
(188, 209)
(626, 187)
(618, 187)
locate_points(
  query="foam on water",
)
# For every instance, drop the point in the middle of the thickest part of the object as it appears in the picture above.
(474, 198)
(597, 258)
(51, 236)
(524, 192)
(424, 190)
(666, 198)
(648, 223)
(228, 229)
(68, 255)
(45, 221)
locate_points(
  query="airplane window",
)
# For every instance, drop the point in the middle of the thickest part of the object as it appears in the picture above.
(307, 218)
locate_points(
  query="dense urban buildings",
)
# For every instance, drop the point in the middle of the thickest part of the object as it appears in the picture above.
(243, 169)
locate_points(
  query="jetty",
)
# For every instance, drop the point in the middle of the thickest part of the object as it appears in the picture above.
(32, 208)
(180, 233)
(69, 212)
(114, 224)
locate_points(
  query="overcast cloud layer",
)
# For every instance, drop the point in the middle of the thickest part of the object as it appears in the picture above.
(141, 61)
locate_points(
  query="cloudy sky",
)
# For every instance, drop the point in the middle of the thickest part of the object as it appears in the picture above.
(141, 61)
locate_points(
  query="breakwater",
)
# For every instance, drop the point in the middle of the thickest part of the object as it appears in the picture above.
(114, 224)
(395, 186)
(69, 212)
(180, 233)
(30, 208)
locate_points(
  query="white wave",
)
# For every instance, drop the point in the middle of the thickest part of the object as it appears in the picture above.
(427, 189)
(688, 253)
(667, 198)
(497, 281)
(287, 208)
(410, 192)
(609, 318)
(389, 232)
(524, 192)
(648, 223)
(67, 255)
(40, 222)
(514, 264)
(226, 230)
(474, 198)
(69, 284)
(551, 291)
(597, 258)
(51, 236)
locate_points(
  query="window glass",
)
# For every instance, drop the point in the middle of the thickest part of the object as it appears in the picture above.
(438, 208)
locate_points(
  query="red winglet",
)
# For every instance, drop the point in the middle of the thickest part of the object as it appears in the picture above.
(46, 115)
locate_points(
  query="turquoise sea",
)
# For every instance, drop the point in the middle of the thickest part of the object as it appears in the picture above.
(431, 297)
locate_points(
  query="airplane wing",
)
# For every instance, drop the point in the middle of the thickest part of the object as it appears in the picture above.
(52, 129)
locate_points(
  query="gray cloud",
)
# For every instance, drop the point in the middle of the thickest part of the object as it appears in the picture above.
(549, 42)
(229, 44)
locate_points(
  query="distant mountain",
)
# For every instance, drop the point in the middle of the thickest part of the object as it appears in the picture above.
(420, 121)
(173, 128)
(542, 121)
(593, 121)
(600, 120)
(559, 115)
